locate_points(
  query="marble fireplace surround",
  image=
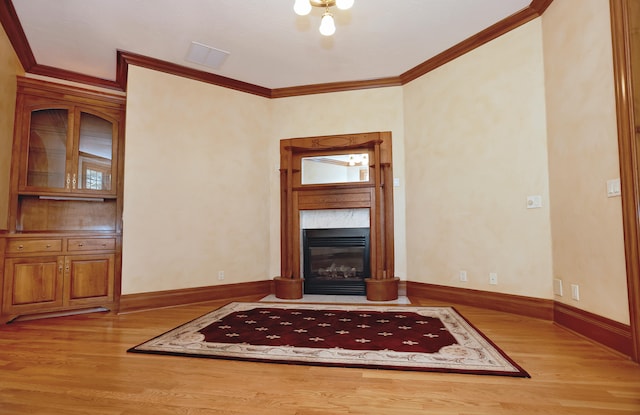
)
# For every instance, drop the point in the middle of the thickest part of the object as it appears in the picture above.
(374, 196)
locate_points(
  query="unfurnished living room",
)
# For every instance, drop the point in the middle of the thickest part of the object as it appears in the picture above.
(314, 207)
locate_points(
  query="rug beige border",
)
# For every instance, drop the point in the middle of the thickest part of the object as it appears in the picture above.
(474, 353)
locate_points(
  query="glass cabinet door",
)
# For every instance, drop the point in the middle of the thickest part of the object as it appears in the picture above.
(95, 153)
(47, 153)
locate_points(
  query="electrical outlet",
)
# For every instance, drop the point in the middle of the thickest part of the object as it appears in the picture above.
(493, 278)
(463, 276)
(557, 287)
(575, 292)
(220, 275)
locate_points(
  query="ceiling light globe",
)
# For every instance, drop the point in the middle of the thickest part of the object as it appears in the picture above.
(327, 25)
(302, 7)
(344, 4)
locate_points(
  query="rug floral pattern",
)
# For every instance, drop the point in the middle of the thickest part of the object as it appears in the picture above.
(383, 337)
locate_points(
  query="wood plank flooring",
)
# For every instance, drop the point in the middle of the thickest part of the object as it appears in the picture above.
(79, 365)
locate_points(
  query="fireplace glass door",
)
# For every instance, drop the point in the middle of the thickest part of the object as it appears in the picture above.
(336, 261)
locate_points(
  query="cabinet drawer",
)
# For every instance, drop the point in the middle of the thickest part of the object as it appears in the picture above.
(34, 245)
(91, 244)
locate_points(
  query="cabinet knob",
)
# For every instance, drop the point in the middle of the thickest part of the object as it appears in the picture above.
(81, 244)
(20, 247)
(48, 246)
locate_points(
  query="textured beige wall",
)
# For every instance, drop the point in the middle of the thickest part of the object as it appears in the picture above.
(362, 111)
(9, 68)
(196, 191)
(475, 144)
(588, 245)
(202, 180)
(470, 144)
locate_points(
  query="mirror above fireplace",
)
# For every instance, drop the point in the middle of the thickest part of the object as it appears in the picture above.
(335, 168)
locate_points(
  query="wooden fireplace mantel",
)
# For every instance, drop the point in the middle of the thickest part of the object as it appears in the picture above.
(376, 194)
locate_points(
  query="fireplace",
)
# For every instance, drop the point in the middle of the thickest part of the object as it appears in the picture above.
(374, 194)
(336, 260)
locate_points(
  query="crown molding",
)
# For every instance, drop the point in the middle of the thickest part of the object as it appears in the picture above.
(18, 39)
(492, 32)
(13, 28)
(335, 87)
(540, 5)
(63, 74)
(128, 58)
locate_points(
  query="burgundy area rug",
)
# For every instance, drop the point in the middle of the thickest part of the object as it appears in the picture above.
(435, 339)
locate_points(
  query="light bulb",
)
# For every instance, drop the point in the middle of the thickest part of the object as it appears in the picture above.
(302, 7)
(327, 25)
(344, 4)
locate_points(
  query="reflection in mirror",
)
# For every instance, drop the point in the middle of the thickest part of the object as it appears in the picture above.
(335, 168)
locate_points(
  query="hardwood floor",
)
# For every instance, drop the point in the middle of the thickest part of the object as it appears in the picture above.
(79, 365)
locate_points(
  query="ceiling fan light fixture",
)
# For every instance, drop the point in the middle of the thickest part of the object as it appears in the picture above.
(327, 24)
(344, 4)
(302, 7)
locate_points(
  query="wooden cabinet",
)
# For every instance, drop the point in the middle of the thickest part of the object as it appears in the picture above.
(66, 145)
(68, 148)
(62, 251)
(58, 273)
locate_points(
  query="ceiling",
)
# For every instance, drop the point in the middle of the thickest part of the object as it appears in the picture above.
(268, 44)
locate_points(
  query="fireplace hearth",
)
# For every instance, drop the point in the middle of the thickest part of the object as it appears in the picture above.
(335, 261)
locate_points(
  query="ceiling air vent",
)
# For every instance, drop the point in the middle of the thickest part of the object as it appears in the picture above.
(206, 55)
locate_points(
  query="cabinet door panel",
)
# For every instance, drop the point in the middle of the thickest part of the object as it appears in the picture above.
(33, 283)
(90, 277)
(47, 151)
(95, 153)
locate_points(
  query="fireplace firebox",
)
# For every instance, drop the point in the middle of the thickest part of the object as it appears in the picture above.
(335, 261)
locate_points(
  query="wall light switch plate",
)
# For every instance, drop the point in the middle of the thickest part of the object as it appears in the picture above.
(557, 287)
(575, 292)
(613, 188)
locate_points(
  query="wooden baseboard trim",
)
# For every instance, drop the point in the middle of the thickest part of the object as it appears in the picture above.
(170, 298)
(616, 336)
(610, 333)
(526, 306)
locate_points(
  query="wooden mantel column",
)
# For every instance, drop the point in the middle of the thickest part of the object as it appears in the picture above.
(375, 194)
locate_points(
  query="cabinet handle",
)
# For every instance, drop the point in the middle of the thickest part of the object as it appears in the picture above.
(60, 266)
(73, 182)
(68, 179)
(66, 266)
